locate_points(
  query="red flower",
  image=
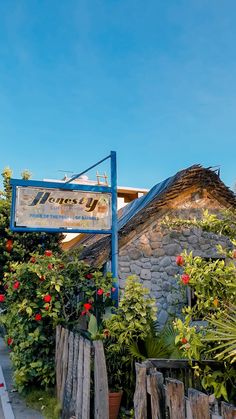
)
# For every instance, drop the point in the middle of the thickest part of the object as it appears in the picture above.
(16, 285)
(9, 341)
(38, 317)
(185, 278)
(87, 306)
(179, 260)
(89, 276)
(42, 278)
(83, 313)
(108, 294)
(32, 259)
(100, 291)
(9, 245)
(46, 307)
(1, 384)
(48, 253)
(184, 341)
(50, 266)
(106, 332)
(113, 289)
(47, 298)
(2, 298)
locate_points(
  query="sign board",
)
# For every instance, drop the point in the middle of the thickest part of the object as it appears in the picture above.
(62, 207)
(39, 207)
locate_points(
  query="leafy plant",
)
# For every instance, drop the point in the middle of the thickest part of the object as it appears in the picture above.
(130, 322)
(223, 330)
(213, 283)
(157, 345)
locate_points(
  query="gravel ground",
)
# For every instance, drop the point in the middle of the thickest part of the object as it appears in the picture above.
(18, 404)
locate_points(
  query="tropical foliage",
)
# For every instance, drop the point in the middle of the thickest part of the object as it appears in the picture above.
(40, 294)
(130, 323)
(213, 283)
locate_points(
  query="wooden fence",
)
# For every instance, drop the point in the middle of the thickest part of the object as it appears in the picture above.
(74, 358)
(159, 398)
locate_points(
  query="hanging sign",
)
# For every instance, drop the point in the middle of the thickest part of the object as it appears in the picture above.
(58, 207)
(42, 208)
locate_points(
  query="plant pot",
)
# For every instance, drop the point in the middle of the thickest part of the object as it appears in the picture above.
(114, 404)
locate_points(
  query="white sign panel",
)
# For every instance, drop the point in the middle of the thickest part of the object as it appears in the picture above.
(56, 208)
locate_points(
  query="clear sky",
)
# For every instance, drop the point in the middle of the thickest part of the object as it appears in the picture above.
(154, 80)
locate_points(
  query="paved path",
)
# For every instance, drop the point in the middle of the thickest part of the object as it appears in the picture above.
(18, 404)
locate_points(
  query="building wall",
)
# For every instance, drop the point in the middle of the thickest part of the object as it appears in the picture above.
(151, 253)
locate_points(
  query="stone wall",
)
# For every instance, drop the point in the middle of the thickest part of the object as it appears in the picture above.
(151, 253)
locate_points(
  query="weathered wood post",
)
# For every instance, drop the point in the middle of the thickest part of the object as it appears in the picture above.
(140, 395)
(199, 404)
(86, 381)
(67, 406)
(228, 411)
(155, 387)
(101, 403)
(175, 398)
(74, 372)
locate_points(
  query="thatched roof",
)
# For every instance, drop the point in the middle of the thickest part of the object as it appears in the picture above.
(96, 248)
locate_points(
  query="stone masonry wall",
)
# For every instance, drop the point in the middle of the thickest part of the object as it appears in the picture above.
(151, 254)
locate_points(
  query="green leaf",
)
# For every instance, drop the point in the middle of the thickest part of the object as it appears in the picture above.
(29, 311)
(93, 326)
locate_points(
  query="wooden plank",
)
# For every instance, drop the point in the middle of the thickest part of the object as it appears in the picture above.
(80, 373)
(64, 365)
(181, 363)
(140, 395)
(175, 398)
(58, 337)
(86, 381)
(155, 387)
(101, 404)
(74, 378)
(69, 380)
(199, 403)
(59, 362)
(228, 411)
(188, 410)
(170, 363)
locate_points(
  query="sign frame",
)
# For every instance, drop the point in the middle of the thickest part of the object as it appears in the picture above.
(58, 186)
(69, 186)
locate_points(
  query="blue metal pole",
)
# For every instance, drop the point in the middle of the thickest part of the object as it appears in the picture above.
(13, 208)
(114, 235)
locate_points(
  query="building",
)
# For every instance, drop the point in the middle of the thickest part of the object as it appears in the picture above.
(148, 248)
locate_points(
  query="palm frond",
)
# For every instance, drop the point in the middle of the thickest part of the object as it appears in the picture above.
(223, 333)
(135, 352)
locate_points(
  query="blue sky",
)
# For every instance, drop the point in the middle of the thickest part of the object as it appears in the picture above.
(153, 80)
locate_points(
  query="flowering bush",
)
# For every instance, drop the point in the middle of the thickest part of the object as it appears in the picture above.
(213, 283)
(40, 294)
